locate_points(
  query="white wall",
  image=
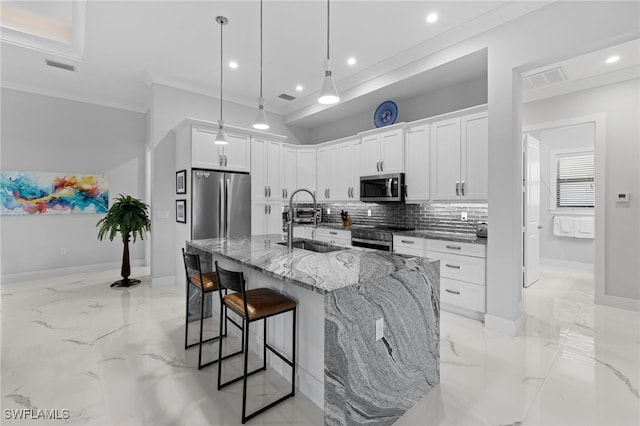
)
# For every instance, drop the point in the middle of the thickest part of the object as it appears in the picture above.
(42, 133)
(621, 104)
(551, 246)
(428, 104)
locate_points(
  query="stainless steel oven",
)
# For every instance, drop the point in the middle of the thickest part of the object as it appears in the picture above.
(382, 188)
(378, 237)
(372, 244)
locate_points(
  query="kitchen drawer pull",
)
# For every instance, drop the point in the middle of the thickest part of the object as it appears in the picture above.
(408, 242)
(453, 266)
(452, 291)
(453, 247)
(333, 233)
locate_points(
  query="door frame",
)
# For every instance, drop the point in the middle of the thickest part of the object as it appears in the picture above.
(525, 210)
(599, 121)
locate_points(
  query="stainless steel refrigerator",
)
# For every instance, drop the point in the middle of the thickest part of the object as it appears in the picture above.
(220, 204)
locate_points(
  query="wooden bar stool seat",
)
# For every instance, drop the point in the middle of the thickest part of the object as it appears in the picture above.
(253, 305)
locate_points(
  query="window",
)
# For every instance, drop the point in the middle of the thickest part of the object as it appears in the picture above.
(574, 176)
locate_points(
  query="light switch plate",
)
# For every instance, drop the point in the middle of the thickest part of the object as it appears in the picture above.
(368, 212)
(463, 216)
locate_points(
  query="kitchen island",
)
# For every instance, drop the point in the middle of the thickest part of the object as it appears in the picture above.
(342, 366)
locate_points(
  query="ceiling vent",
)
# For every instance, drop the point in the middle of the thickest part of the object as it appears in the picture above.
(286, 97)
(60, 65)
(543, 79)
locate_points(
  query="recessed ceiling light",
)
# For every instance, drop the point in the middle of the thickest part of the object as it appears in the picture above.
(299, 87)
(612, 59)
(351, 61)
(233, 64)
(432, 17)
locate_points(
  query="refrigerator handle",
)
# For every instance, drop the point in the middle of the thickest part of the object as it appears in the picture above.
(221, 224)
(227, 197)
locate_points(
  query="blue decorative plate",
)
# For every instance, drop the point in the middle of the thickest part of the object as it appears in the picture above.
(385, 114)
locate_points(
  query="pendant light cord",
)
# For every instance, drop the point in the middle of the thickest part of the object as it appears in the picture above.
(221, 68)
(260, 48)
(328, 23)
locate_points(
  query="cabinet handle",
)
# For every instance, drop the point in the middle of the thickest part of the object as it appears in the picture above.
(225, 160)
(453, 247)
(408, 242)
(265, 191)
(378, 166)
(265, 209)
(452, 292)
(381, 165)
(286, 193)
(462, 188)
(269, 208)
(453, 266)
(329, 192)
(220, 160)
(333, 233)
(282, 192)
(269, 191)
(405, 190)
(457, 188)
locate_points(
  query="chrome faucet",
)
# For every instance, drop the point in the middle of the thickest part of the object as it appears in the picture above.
(290, 227)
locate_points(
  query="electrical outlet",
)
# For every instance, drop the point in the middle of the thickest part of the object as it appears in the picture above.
(379, 328)
(63, 251)
(369, 213)
(464, 216)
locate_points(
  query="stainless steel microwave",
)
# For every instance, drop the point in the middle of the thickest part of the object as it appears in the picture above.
(382, 188)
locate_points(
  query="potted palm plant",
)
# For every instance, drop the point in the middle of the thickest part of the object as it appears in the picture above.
(128, 216)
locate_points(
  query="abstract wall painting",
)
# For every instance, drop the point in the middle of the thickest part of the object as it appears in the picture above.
(40, 193)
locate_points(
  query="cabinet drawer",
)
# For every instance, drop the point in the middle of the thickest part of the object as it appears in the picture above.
(335, 241)
(462, 268)
(409, 243)
(333, 234)
(467, 249)
(408, 251)
(463, 295)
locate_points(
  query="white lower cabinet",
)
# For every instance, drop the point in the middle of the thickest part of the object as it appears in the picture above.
(462, 276)
(339, 237)
(306, 232)
(266, 218)
(462, 271)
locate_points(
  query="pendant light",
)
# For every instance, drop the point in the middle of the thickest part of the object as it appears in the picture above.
(328, 93)
(261, 122)
(221, 137)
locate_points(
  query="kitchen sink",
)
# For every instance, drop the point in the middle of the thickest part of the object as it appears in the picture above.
(316, 246)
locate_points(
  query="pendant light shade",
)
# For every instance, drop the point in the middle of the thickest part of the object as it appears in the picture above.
(328, 92)
(221, 137)
(261, 122)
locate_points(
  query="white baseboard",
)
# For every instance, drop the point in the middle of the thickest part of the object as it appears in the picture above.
(567, 264)
(479, 316)
(617, 302)
(504, 326)
(58, 272)
(168, 280)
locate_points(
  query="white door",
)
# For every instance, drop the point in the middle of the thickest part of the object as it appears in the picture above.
(532, 211)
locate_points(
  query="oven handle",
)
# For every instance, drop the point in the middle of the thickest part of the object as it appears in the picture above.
(372, 242)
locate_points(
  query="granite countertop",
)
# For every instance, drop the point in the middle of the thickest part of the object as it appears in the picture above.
(320, 272)
(445, 236)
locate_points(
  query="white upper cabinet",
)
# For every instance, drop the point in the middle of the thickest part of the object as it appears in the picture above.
(265, 170)
(475, 157)
(328, 174)
(350, 166)
(383, 152)
(306, 169)
(235, 156)
(459, 158)
(289, 166)
(417, 161)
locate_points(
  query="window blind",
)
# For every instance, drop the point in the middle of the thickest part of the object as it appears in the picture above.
(575, 180)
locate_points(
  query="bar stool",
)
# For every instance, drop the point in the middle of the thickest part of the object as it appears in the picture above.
(207, 283)
(253, 305)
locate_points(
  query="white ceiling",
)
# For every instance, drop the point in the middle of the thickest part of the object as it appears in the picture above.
(127, 45)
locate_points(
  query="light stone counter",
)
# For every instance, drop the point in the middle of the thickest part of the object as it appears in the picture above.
(355, 378)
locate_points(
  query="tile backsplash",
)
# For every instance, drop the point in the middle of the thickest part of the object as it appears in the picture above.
(434, 216)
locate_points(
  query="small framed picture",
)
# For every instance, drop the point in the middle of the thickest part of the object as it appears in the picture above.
(181, 182)
(181, 211)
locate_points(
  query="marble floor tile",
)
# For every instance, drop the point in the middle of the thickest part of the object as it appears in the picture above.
(116, 357)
